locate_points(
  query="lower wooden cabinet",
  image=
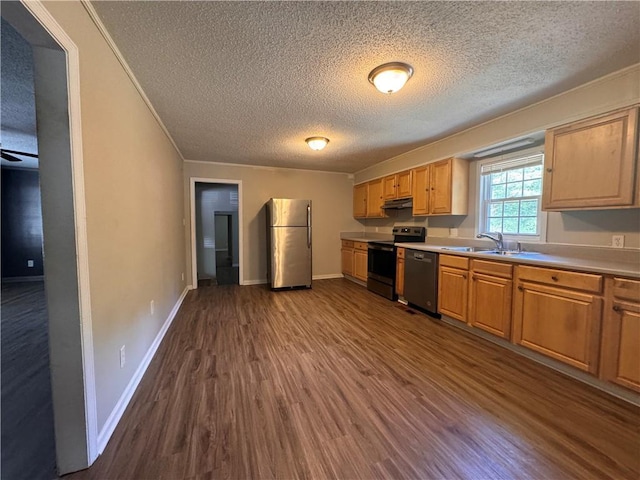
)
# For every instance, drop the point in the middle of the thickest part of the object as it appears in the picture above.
(560, 322)
(453, 286)
(360, 258)
(400, 271)
(581, 319)
(620, 359)
(347, 257)
(354, 259)
(490, 297)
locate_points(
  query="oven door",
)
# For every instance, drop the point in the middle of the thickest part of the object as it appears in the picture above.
(382, 263)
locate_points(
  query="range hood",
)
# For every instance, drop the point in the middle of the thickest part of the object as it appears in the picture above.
(398, 204)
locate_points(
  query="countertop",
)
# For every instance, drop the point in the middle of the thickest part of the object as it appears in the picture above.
(362, 237)
(595, 265)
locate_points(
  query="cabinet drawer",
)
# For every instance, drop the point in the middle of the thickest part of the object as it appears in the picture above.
(497, 269)
(347, 243)
(360, 245)
(400, 252)
(454, 261)
(562, 278)
(626, 289)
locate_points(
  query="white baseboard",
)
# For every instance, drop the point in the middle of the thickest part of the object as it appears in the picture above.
(125, 398)
(327, 276)
(315, 277)
(255, 282)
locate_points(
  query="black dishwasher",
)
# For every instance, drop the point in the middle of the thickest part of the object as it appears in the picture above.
(421, 280)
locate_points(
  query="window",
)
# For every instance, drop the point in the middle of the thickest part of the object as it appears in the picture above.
(510, 196)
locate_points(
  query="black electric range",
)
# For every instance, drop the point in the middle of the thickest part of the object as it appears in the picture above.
(381, 265)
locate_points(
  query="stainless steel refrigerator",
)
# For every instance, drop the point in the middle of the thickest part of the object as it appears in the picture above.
(288, 243)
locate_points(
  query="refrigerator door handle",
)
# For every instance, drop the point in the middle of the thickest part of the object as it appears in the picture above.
(309, 226)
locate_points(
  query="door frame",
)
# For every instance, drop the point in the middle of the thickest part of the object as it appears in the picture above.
(194, 252)
(38, 11)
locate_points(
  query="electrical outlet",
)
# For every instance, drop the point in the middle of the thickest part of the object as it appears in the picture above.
(453, 232)
(122, 357)
(152, 307)
(182, 276)
(29, 263)
(617, 241)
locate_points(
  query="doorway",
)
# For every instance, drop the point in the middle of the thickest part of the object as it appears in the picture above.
(216, 233)
(62, 301)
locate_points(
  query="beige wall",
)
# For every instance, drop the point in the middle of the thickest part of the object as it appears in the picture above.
(331, 194)
(579, 228)
(133, 184)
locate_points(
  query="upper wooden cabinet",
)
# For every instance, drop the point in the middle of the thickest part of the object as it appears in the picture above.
(397, 185)
(421, 188)
(368, 199)
(360, 200)
(592, 164)
(375, 199)
(441, 188)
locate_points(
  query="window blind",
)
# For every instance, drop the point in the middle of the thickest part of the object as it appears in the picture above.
(501, 166)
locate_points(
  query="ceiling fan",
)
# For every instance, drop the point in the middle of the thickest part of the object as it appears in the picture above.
(6, 154)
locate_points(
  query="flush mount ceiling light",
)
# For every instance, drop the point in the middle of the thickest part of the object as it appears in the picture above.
(390, 77)
(317, 143)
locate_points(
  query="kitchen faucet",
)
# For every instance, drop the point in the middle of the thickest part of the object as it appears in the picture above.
(495, 236)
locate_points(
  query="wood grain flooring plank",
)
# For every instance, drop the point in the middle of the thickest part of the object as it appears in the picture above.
(336, 382)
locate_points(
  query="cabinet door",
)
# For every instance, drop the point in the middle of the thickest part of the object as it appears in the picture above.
(389, 187)
(441, 187)
(591, 164)
(490, 304)
(400, 276)
(375, 198)
(403, 184)
(620, 340)
(560, 323)
(421, 189)
(360, 265)
(452, 293)
(347, 261)
(360, 200)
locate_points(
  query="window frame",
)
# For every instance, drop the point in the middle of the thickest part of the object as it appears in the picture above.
(481, 197)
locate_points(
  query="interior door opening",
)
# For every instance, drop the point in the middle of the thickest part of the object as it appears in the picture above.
(58, 295)
(217, 234)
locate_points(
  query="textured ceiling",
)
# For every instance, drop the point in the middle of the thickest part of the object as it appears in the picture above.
(17, 110)
(246, 82)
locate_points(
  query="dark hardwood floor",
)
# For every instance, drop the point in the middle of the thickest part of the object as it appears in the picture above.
(336, 382)
(28, 448)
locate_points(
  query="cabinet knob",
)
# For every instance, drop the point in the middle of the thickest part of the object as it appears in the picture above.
(554, 278)
(616, 308)
(549, 170)
(473, 278)
(520, 288)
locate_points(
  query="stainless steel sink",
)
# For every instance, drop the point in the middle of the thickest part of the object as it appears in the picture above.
(510, 252)
(467, 249)
(490, 251)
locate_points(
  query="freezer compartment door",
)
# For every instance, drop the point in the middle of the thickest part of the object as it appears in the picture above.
(290, 257)
(286, 212)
